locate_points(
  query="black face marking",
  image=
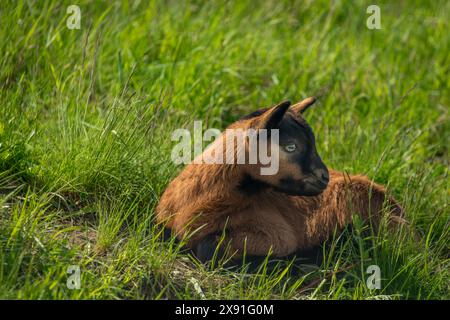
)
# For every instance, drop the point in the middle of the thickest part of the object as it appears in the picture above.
(286, 186)
(251, 186)
(298, 187)
(295, 130)
(309, 179)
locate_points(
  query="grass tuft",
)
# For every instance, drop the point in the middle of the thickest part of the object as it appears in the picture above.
(86, 119)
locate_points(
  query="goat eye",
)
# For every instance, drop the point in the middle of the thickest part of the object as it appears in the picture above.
(290, 147)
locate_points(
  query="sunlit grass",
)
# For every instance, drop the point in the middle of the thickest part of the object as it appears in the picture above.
(86, 118)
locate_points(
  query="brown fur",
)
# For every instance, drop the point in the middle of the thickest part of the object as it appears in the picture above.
(206, 198)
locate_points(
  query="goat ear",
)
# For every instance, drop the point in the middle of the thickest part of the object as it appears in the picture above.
(272, 117)
(301, 106)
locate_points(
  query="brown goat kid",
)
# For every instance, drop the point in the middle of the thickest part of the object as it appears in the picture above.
(295, 209)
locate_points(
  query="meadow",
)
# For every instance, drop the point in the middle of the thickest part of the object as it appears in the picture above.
(86, 117)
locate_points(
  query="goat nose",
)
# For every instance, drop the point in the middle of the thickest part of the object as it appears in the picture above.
(322, 175)
(325, 176)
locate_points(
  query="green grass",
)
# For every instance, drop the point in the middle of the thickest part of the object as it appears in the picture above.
(86, 118)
